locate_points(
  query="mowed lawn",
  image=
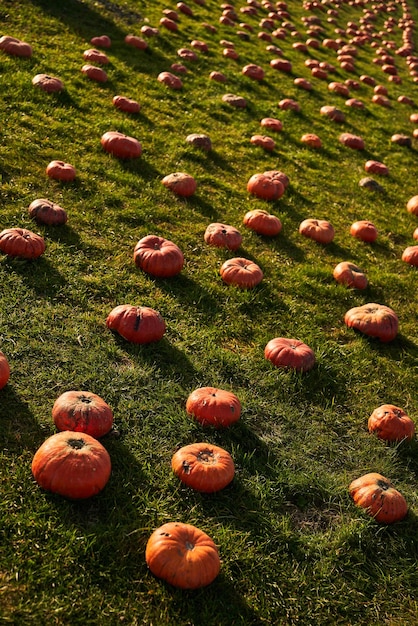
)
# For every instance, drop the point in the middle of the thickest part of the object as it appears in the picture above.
(294, 548)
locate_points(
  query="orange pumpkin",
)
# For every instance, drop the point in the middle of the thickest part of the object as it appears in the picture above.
(47, 212)
(94, 73)
(82, 412)
(241, 273)
(373, 320)
(349, 274)
(263, 222)
(49, 84)
(364, 230)
(60, 170)
(137, 324)
(377, 495)
(180, 183)
(214, 407)
(71, 464)
(158, 256)
(391, 423)
(15, 47)
(126, 104)
(376, 167)
(253, 71)
(136, 42)
(182, 555)
(311, 140)
(412, 205)
(410, 255)
(102, 41)
(352, 141)
(4, 370)
(203, 467)
(290, 354)
(264, 142)
(170, 80)
(321, 231)
(223, 236)
(95, 56)
(120, 145)
(272, 124)
(21, 242)
(265, 187)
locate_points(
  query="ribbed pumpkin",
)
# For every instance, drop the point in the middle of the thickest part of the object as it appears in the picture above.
(158, 256)
(203, 467)
(376, 494)
(83, 412)
(241, 273)
(262, 222)
(4, 370)
(21, 242)
(290, 354)
(137, 324)
(391, 423)
(374, 320)
(223, 236)
(214, 407)
(44, 211)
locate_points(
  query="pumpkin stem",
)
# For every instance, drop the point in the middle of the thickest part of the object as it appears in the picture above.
(85, 399)
(383, 485)
(77, 444)
(189, 545)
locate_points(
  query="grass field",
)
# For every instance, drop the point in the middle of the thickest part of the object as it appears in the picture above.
(294, 548)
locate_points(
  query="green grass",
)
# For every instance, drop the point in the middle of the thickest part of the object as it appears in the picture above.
(294, 548)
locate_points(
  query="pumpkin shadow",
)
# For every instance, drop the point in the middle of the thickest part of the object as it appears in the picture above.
(19, 430)
(38, 274)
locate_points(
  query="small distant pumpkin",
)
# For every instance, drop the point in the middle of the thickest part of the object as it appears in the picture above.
(60, 170)
(94, 73)
(412, 205)
(376, 494)
(45, 211)
(290, 354)
(263, 222)
(311, 140)
(373, 320)
(223, 236)
(352, 141)
(241, 272)
(410, 255)
(376, 167)
(95, 56)
(272, 124)
(265, 187)
(214, 407)
(126, 104)
(15, 47)
(170, 80)
(136, 42)
(182, 555)
(203, 467)
(158, 256)
(137, 324)
(391, 423)
(321, 231)
(102, 41)
(263, 141)
(82, 412)
(21, 242)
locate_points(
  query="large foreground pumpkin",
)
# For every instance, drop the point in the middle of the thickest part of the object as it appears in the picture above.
(71, 464)
(374, 320)
(391, 423)
(158, 256)
(182, 555)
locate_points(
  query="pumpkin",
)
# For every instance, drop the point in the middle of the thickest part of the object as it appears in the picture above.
(158, 256)
(253, 71)
(223, 236)
(339, 88)
(230, 53)
(334, 114)
(184, 8)
(211, 406)
(288, 104)
(349, 274)
(391, 423)
(82, 412)
(199, 140)
(203, 467)
(4, 370)
(278, 176)
(187, 54)
(170, 80)
(15, 47)
(376, 167)
(264, 142)
(272, 124)
(412, 205)
(265, 187)
(71, 464)
(364, 230)
(351, 141)
(355, 103)
(47, 212)
(169, 24)
(236, 101)
(136, 42)
(120, 145)
(376, 494)
(415, 233)
(49, 84)
(94, 73)
(202, 46)
(137, 324)
(290, 354)
(126, 104)
(149, 31)
(303, 83)
(102, 41)
(381, 100)
(20, 242)
(410, 255)
(321, 231)
(263, 222)
(182, 555)
(219, 77)
(180, 183)
(60, 170)
(311, 140)
(241, 273)
(373, 320)
(401, 140)
(179, 68)
(283, 65)
(95, 56)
